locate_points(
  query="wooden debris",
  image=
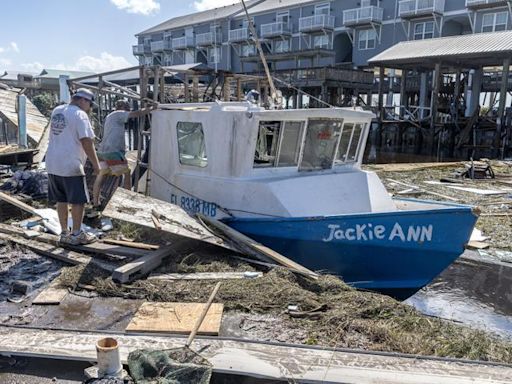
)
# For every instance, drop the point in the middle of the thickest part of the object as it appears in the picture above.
(423, 190)
(206, 276)
(55, 252)
(137, 209)
(477, 245)
(254, 248)
(203, 315)
(96, 248)
(305, 364)
(50, 296)
(142, 266)
(406, 167)
(156, 221)
(131, 244)
(175, 318)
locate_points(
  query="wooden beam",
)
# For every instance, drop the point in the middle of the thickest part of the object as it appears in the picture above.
(142, 266)
(255, 249)
(195, 88)
(381, 93)
(205, 276)
(186, 91)
(501, 108)
(96, 248)
(131, 244)
(55, 252)
(266, 360)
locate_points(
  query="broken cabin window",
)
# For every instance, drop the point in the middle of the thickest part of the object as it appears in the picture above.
(191, 145)
(267, 144)
(291, 139)
(322, 136)
(354, 143)
(346, 134)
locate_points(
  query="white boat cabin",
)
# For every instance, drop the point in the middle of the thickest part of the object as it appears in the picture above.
(239, 158)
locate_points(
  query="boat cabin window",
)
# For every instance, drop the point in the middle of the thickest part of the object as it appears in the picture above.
(278, 144)
(191, 145)
(321, 142)
(348, 148)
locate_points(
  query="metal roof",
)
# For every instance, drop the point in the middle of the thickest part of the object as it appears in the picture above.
(199, 17)
(470, 50)
(36, 122)
(56, 73)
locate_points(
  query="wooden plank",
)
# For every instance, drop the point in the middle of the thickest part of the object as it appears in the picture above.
(176, 318)
(142, 266)
(477, 245)
(55, 252)
(137, 209)
(97, 247)
(17, 203)
(274, 361)
(131, 244)
(256, 249)
(206, 276)
(50, 296)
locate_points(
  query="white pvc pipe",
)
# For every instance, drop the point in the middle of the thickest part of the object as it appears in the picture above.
(109, 361)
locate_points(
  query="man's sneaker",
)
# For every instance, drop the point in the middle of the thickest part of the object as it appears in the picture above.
(64, 237)
(81, 239)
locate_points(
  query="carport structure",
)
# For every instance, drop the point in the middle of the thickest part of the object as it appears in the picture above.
(459, 69)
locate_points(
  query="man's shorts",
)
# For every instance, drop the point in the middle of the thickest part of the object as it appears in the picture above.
(113, 163)
(71, 190)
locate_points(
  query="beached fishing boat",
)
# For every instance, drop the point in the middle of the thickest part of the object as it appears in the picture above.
(292, 180)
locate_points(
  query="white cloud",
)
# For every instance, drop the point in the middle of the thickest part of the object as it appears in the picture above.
(5, 62)
(14, 47)
(105, 62)
(35, 67)
(144, 7)
(203, 5)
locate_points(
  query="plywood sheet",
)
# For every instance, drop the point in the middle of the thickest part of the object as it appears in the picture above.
(138, 209)
(50, 295)
(176, 318)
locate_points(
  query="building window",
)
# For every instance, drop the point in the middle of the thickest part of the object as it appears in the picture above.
(321, 41)
(247, 50)
(281, 46)
(191, 145)
(322, 9)
(494, 22)
(367, 39)
(283, 17)
(424, 30)
(214, 55)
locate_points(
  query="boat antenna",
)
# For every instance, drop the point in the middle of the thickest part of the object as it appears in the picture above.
(273, 92)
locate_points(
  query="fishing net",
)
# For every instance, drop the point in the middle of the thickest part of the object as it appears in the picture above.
(171, 366)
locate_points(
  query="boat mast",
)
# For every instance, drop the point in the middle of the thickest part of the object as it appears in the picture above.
(273, 92)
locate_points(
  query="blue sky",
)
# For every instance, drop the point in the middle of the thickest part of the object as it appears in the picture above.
(92, 35)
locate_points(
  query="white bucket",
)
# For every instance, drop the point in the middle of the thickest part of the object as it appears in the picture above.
(109, 361)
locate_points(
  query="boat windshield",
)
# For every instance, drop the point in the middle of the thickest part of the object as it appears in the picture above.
(325, 142)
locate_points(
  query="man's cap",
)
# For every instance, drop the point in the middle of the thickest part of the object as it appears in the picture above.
(84, 93)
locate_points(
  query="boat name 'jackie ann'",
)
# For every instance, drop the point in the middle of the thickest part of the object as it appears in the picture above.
(369, 232)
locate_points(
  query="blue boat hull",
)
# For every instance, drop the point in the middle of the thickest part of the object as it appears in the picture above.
(395, 253)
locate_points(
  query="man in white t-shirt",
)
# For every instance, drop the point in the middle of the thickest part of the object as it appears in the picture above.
(71, 142)
(112, 149)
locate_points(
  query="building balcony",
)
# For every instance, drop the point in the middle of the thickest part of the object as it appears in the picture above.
(184, 42)
(476, 4)
(238, 35)
(363, 16)
(208, 39)
(157, 46)
(277, 29)
(168, 45)
(316, 23)
(141, 49)
(416, 8)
